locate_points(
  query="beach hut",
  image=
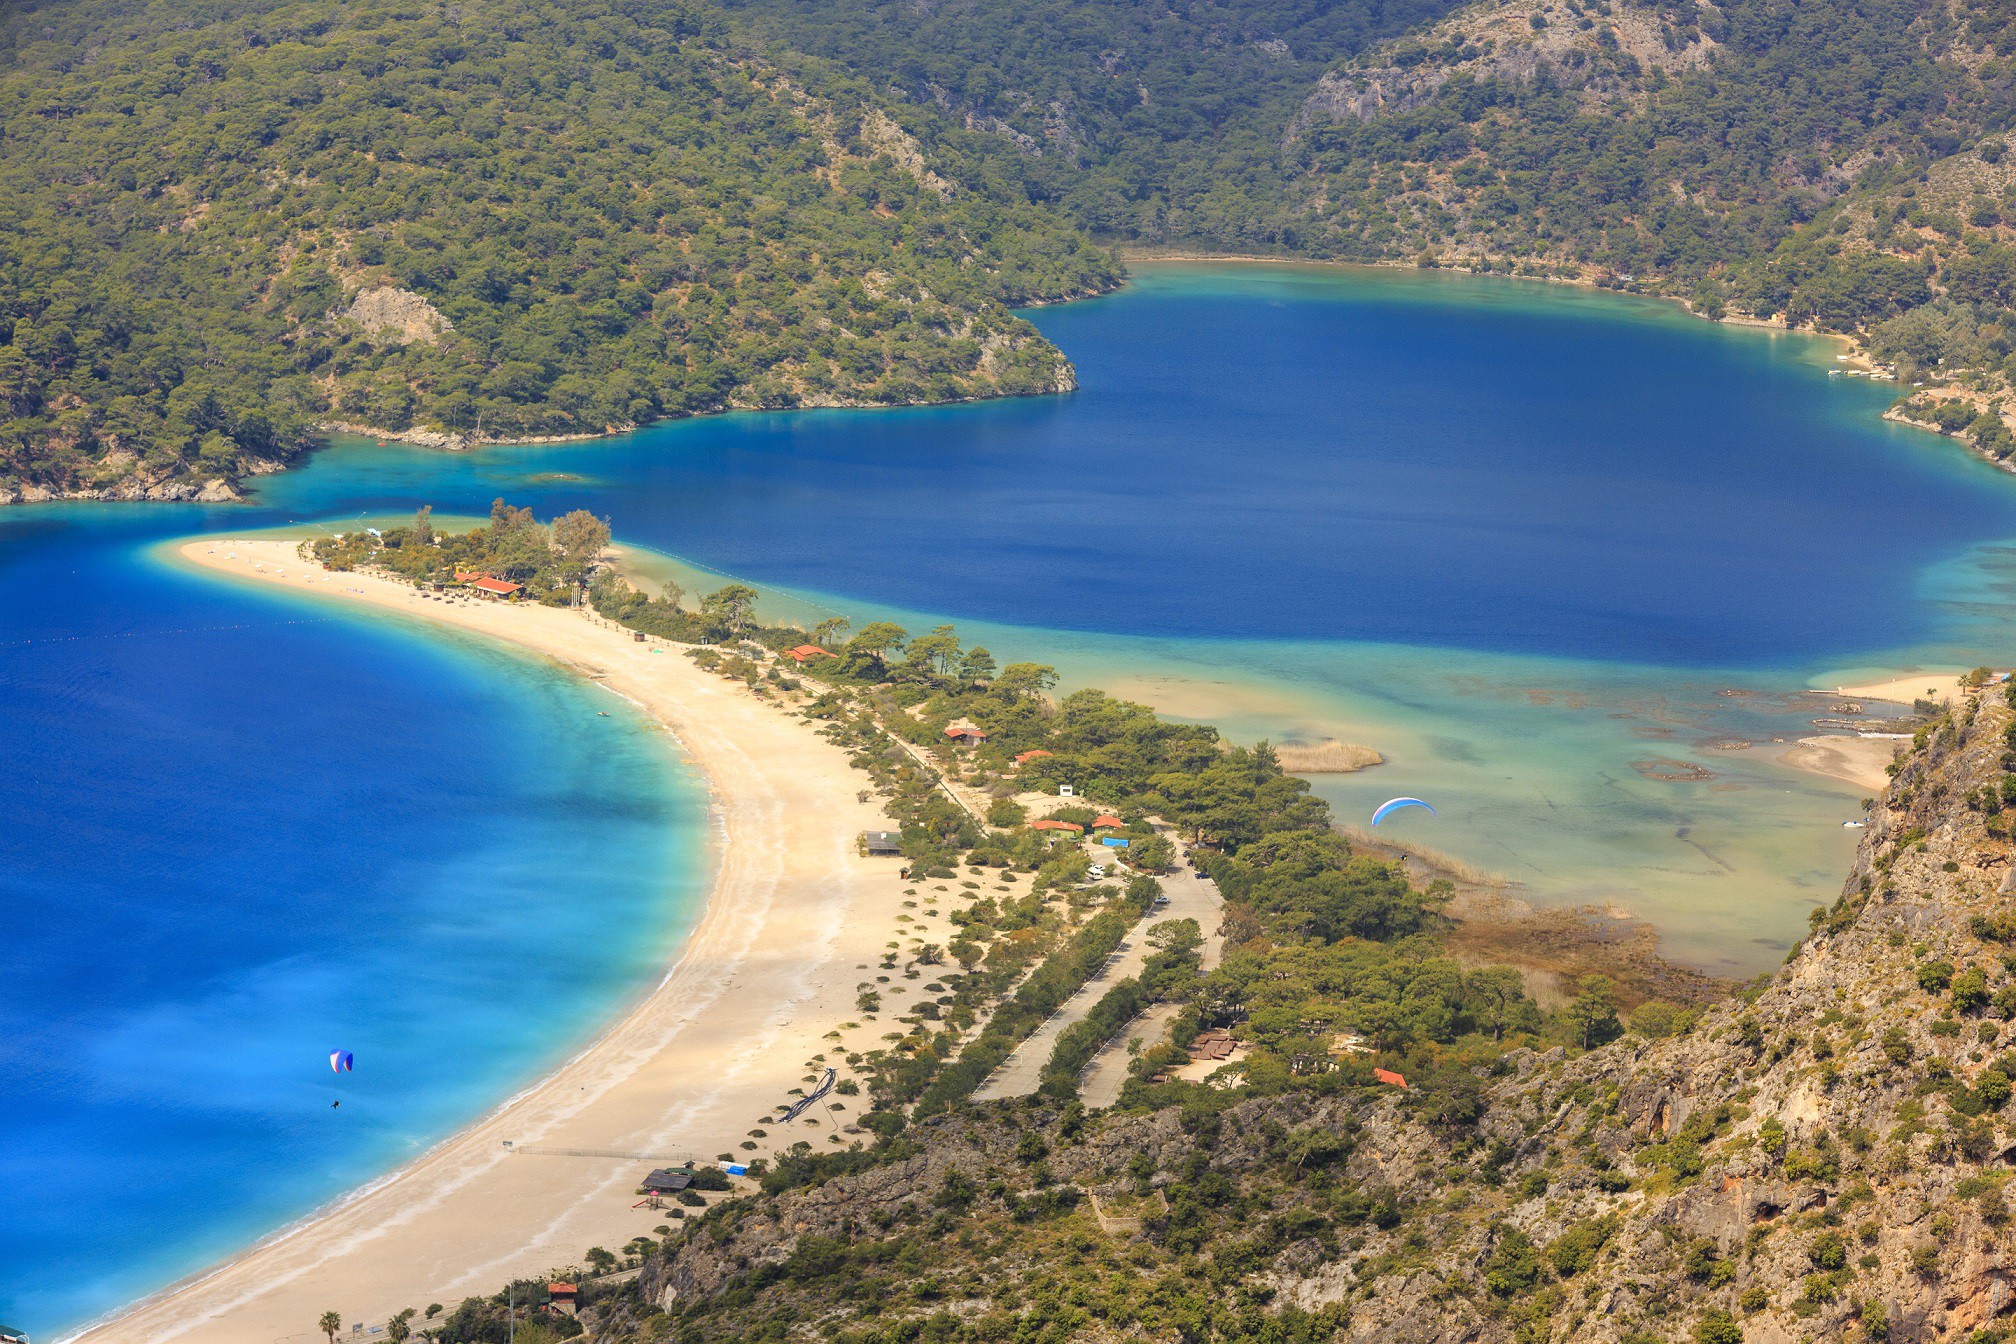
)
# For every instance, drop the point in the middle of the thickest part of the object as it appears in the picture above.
(805, 653)
(668, 1180)
(881, 843)
(496, 588)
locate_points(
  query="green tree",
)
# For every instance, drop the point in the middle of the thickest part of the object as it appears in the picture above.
(1151, 854)
(976, 666)
(330, 1323)
(1591, 1016)
(1495, 989)
(1717, 1327)
(580, 535)
(868, 651)
(729, 610)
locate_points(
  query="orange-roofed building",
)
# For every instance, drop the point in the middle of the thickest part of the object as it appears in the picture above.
(563, 1295)
(1102, 823)
(1388, 1077)
(805, 653)
(1023, 758)
(495, 587)
(1051, 824)
(966, 734)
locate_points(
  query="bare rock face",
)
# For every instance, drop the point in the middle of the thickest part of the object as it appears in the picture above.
(397, 315)
(884, 136)
(1501, 42)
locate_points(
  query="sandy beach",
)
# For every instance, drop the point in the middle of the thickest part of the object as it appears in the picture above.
(1943, 687)
(1852, 760)
(770, 969)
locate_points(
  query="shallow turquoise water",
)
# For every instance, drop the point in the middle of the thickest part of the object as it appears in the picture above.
(1517, 537)
(242, 830)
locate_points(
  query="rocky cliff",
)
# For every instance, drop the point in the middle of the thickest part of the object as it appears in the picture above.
(1822, 1158)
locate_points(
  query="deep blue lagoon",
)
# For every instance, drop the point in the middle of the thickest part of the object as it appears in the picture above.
(1516, 536)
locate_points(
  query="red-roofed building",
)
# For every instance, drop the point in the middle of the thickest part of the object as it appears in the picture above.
(1051, 824)
(1023, 758)
(966, 734)
(496, 587)
(1102, 823)
(805, 653)
(1388, 1077)
(563, 1295)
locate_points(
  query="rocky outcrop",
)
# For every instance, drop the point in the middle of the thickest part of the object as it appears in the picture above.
(136, 488)
(397, 315)
(1502, 42)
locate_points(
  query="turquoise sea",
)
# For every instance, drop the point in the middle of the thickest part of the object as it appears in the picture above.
(1528, 541)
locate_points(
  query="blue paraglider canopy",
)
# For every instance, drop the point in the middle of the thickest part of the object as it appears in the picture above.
(342, 1061)
(1387, 809)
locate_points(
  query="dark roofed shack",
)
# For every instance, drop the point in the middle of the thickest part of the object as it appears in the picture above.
(668, 1181)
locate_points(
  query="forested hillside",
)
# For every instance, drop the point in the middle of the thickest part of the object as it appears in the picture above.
(222, 225)
(1142, 120)
(1834, 163)
(1823, 1157)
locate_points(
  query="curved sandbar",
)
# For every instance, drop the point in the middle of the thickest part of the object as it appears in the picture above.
(770, 968)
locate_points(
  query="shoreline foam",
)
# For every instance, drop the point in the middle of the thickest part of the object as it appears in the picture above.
(718, 1040)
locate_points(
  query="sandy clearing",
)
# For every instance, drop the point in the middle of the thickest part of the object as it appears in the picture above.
(1853, 760)
(1943, 687)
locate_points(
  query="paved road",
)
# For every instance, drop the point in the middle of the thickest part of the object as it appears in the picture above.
(1189, 897)
(1107, 1073)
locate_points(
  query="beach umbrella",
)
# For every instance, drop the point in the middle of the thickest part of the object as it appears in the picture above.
(342, 1061)
(1387, 809)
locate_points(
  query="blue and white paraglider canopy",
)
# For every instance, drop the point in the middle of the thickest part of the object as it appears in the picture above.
(342, 1061)
(1387, 809)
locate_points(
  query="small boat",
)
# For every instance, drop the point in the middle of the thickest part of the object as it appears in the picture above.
(601, 713)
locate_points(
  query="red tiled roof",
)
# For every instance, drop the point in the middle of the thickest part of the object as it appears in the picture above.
(1032, 755)
(1388, 1077)
(806, 652)
(1050, 824)
(557, 1288)
(1098, 822)
(956, 731)
(497, 586)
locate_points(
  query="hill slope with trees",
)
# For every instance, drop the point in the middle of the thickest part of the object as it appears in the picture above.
(1824, 1156)
(222, 226)
(1837, 164)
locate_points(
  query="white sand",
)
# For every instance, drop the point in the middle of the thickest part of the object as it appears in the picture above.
(1853, 760)
(771, 968)
(1943, 687)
